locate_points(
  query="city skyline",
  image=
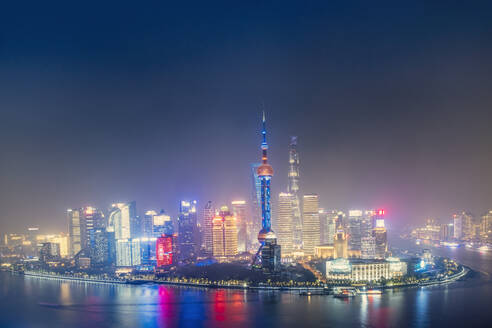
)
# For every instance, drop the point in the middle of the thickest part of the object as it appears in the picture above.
(245, 164)
(376, 123)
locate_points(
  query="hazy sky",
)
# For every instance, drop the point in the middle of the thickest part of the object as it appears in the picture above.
(113, 101)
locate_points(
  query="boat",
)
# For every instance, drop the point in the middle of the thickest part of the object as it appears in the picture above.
(345, 293)
(371, 292)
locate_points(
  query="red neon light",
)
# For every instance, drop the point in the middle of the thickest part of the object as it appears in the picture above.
(164, 250)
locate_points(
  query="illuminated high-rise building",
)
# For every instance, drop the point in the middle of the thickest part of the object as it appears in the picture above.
(340, 244)
(327, 224)
(164, 250)
(310, 227)
(255, 204)
(293, 188)
(368, 247)
(224, 231)
(187, 231)
(457, 227)
(366, 224)
(208, 216)
(128, 252)
(147, 224)
(120, 218)
(100, 252)
(285, 233)
(486, 225)
(74, 218)
(446, 232)
(323, 226)
(270, 251)
(355, 229)
(378, 218)
(49, 252)
(467, 225)
(162, 224)
(380, 239)
(32, 248)
(239, 212)
(91, 219)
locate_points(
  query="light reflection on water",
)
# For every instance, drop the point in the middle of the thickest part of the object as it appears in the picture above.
(30, 301)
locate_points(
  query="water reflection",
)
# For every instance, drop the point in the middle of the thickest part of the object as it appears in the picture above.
(167, 308)
(421, 306)
(82, 304)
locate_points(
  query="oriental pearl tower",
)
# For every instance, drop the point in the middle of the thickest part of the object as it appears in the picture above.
(265, 173)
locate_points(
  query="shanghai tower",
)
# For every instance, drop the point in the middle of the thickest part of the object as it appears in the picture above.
(293, 188)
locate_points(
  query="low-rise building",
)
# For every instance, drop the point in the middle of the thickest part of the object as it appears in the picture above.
(365, 269)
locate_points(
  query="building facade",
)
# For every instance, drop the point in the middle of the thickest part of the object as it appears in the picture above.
(365, 270)
(311, 227)
(368, 247)
(187, 231)
(74, 220)
(164, 251)
(224, 234)
(239, 212)
(381, 242)
(128, 252)
(355, 228)
(208, 216)
(293, 189)
(285, 223)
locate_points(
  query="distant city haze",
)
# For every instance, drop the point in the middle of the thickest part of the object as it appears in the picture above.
(108, 103)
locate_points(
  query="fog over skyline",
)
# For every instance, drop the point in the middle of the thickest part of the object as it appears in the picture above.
(106, 102)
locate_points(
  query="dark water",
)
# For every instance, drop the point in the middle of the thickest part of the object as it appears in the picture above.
(37, 302)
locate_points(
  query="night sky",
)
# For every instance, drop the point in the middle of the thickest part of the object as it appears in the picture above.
(156, 102)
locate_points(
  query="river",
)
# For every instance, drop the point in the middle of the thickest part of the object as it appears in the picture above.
(37, 302)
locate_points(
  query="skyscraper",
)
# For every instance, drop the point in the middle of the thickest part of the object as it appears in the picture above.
(310, 226)
(120, 218)
(366, 224)
(255, 204)
(340, 244)
(74, 218)
(486, 225)
(91, 219)
(270, 251)
(100, 252)
(147, 223)
(208, 216)
(162, 224)
(239, 212)
(284, 225)
(187, 231)
(355, 229)
(224, 234)
(49, 252)
(380, 240)
(164, 250)
(331, 227)
(467, 225)
(32, 234)
(458, 227)
(327, 224)
(293, 188)
(128, 252)
(368, 247)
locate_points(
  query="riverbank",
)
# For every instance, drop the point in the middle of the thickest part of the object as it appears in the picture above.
(463, 273)
(71, 278)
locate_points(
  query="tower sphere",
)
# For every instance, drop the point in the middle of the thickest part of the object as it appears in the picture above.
(265, 170)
